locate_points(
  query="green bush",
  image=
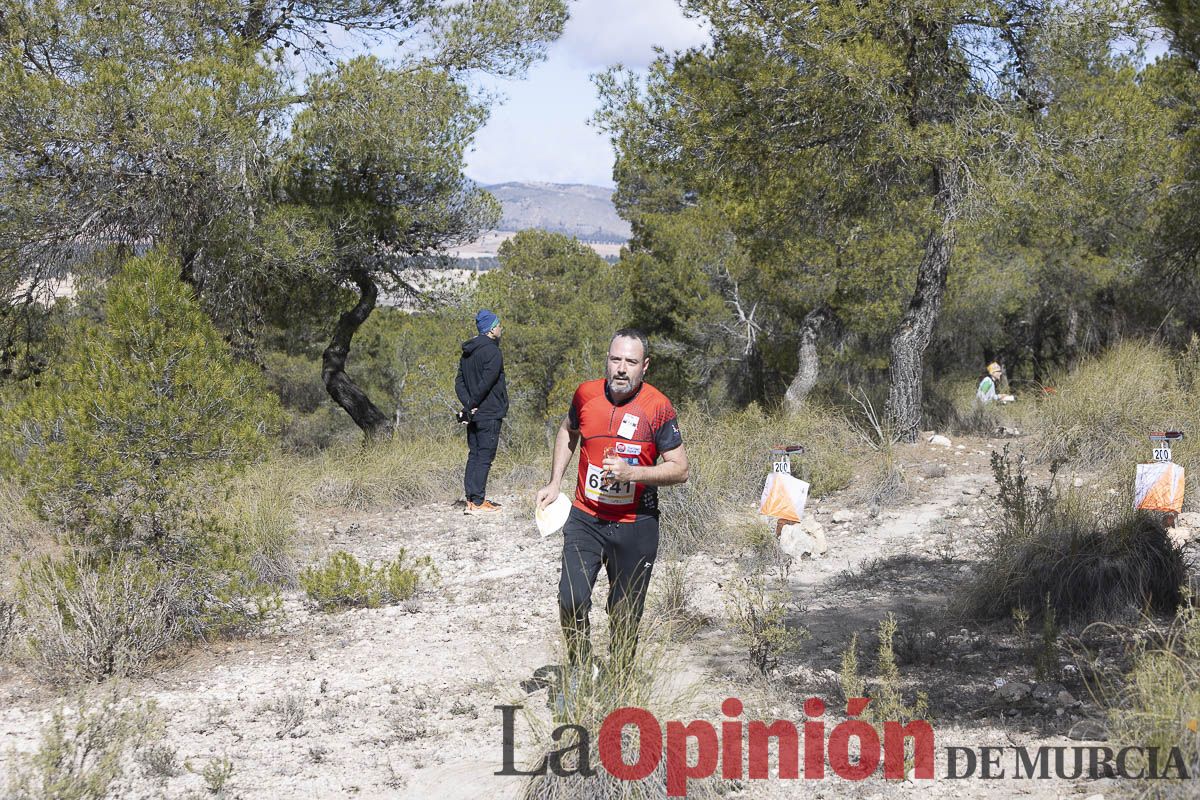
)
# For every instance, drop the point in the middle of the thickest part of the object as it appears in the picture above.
(83, 755)
(343, 581)
(126, 444)
(143, 411)
(758, 613)
(887, 701)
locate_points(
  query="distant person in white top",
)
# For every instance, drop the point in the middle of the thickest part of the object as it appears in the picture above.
(986, 393)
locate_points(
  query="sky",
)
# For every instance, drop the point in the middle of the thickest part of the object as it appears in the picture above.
(539, 130)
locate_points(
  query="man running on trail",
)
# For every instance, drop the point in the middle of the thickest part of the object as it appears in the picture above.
(626, 425)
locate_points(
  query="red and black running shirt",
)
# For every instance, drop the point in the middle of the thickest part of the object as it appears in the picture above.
(638, 430)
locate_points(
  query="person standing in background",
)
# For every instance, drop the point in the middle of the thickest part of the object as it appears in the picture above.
(481, 389)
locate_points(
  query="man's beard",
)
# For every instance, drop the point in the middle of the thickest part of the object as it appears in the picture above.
(629, 387)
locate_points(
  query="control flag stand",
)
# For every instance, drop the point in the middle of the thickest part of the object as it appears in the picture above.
(783, 496)
(1159, 485)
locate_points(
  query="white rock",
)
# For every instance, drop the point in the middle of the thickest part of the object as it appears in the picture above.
(842, 516)
(939, 440)
(795, 542)
(1188, 519)
(1179, 535)
(1077, 483)
(1014, 692)
(817, 531)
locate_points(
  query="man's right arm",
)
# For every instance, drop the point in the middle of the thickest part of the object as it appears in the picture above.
(565, 443)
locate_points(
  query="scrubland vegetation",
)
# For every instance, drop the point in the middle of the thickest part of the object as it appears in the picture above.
(826, 256)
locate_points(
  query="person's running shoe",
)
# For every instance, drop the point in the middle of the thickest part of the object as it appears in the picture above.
(486, 507)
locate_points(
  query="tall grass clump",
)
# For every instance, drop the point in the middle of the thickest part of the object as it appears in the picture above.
(886, 483)
(125, 447)
(585, 696)
(730, 459)
(1159, 705)
(1099, 416)
(1054, 553)
(406, 471)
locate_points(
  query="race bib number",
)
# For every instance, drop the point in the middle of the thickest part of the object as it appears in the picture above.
(615, 493)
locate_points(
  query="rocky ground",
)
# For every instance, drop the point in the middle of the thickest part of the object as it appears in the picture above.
(398, 702)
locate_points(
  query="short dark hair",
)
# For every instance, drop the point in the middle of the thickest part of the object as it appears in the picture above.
(633, 333)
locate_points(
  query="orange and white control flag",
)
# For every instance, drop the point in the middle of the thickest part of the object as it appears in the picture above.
(784, 497)
(1158, 487)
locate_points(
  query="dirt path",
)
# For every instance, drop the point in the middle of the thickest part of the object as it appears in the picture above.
(398, 702)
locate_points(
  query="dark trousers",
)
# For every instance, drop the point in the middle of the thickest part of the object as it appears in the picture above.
(627, 552)
(482, 438)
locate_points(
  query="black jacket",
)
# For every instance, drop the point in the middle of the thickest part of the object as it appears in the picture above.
(480, 382)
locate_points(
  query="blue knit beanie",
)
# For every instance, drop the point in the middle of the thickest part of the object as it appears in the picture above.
(485, 320)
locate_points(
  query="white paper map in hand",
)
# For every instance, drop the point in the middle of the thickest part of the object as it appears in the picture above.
(551, 518)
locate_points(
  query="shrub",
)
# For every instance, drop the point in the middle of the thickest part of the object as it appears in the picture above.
(216, 772)
(343, 581)
(887, 701)
(1160, 703)
(126, 444)
(90, 618)
(759, 617)
(87, 621)
(1052, 553)
(584, 696)
(142, 411)
(82, 755)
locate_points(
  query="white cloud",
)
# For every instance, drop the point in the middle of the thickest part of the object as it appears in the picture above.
(540, 129)
(605, 32)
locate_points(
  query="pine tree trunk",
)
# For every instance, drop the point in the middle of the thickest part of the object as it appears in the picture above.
(915, 330)
(809, 366)
(1071, 345)
(345, 392)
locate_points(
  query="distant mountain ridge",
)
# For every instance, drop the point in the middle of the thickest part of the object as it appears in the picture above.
(575, 209)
